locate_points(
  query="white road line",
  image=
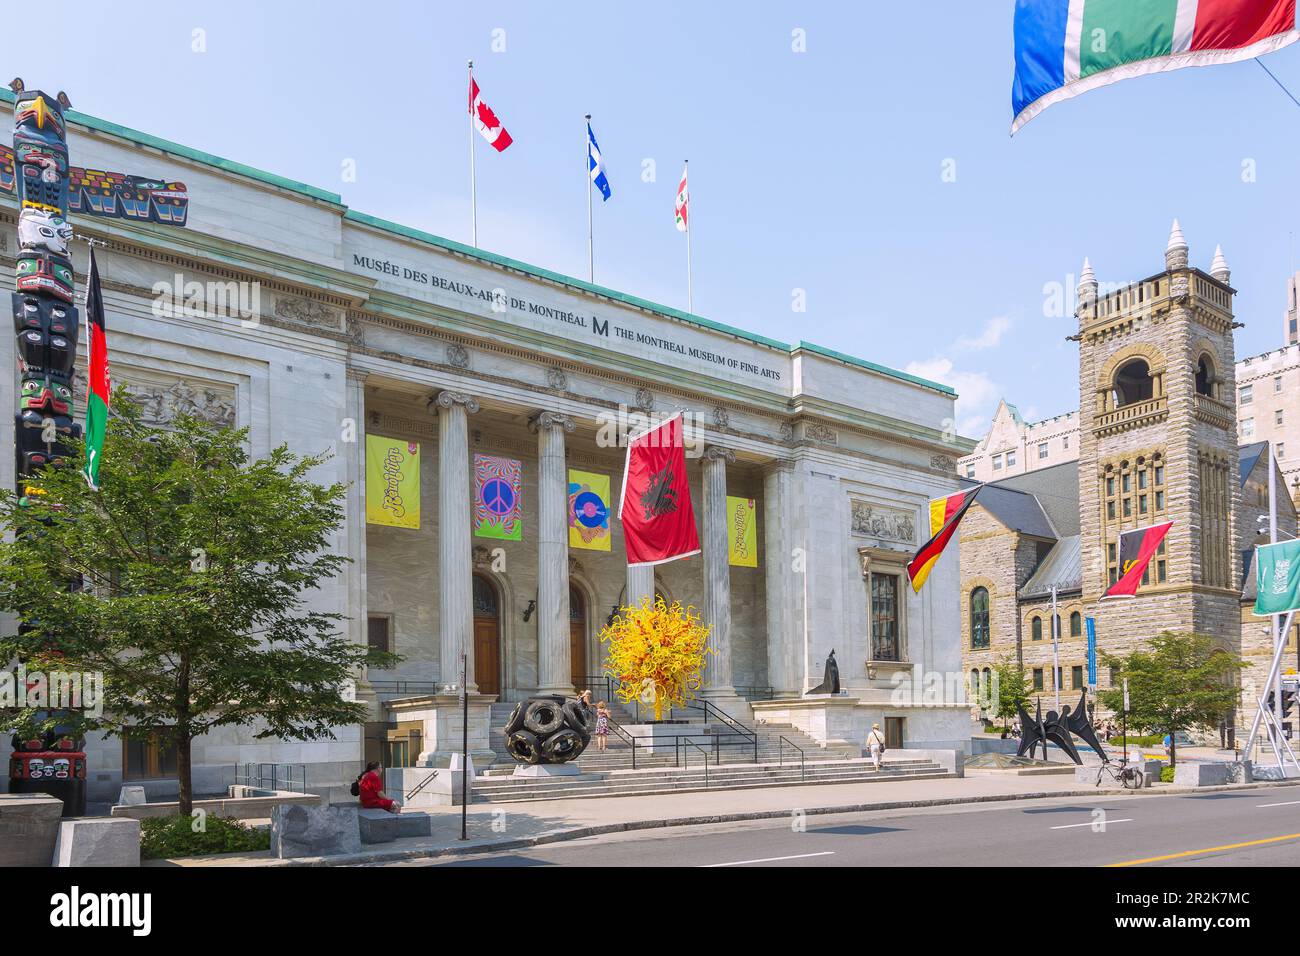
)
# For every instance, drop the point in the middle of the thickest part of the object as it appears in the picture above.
(1289, 803)
(770, 859)
(1101, 823)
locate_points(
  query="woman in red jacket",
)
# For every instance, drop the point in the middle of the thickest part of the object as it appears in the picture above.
(372, 790)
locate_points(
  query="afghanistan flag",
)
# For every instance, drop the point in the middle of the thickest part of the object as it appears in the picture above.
(1136, 548)
(655, 503)
(945, 515)
(97, 397)
(1067, 47)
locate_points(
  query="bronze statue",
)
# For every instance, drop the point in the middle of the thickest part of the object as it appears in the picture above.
(1057, 728)
(548, 729)
(830, 681)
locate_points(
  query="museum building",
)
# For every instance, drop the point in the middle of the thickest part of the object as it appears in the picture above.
(271, 305)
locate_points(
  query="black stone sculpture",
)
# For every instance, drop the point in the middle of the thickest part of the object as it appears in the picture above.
(831, 681)
(548, 729)
(1057, 728)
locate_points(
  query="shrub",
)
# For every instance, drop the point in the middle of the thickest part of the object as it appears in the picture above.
(165, 837)
(1150, 740)
(1166, 774)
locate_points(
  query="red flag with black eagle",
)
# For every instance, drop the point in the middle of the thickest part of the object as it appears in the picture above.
(655, 503)
(1136, 548)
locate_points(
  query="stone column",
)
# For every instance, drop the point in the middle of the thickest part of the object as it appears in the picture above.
(554, 674)
(717, 573)
(455, 560)
(354, 452)
(783, 652)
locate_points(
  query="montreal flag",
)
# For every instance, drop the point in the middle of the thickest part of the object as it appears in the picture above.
(1067, 47)
(655, 503)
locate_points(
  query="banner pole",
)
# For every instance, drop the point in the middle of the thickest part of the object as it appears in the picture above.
(1275, 683)
(1268, 682)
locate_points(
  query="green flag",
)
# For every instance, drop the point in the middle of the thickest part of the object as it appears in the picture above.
(1277, 578)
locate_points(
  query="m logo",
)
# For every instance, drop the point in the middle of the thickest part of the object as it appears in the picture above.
(600, 328)
(660, 498)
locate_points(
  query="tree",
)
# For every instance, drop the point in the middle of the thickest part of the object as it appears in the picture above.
(189, 571)
(1014, 689)
(657, 653)
(1180, 682)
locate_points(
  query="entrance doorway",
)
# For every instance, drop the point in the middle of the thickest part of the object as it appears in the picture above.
(577, 635)
(487, 637)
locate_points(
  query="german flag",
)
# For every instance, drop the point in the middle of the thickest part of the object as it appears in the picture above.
(1136, 548)
(945, 515)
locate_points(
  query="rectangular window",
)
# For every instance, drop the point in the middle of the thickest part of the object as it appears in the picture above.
(1277, 383)
(1277, 417)
(1042, 451)
(1160, 501)
(1011, 457)
(1060, 685)
(1247, 427)
(970, 471)
(1142, 479)
(147, 757)
(884, 617)
(1160, 474)
(1076, 677)
(1127, 483)
(1247, 394)
(379, 632)
(1281, 449)
(1065, 442)
(997, 462)
(1114, 676)
(1110, 510)
(1142, 504)
(1038, 678)
(1110, 486)
(1128, 507)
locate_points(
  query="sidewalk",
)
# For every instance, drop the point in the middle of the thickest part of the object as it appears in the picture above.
(494, 827)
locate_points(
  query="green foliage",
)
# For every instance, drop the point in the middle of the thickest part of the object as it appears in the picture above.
(1166, 774)
(165, 837)
(194, 560)
(1181, 682)
(1148, 740)
(1014, 688)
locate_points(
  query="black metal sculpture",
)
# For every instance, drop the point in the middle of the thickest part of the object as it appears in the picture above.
(830, 680)
(1057, 728)
(548, 729)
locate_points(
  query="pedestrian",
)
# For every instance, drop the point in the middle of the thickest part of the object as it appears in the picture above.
(1169, 746)
(370, 787)
(876, 744)
(602, 725)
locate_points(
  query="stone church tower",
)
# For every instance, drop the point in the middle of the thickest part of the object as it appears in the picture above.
(1158, 442)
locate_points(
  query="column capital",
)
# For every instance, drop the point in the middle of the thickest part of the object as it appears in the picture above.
(545, 419)
(718, 453)
(447, 399)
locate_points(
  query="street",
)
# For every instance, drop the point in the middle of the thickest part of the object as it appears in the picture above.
(1252, 828)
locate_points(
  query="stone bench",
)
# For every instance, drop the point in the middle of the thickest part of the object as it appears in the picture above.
(98, 841)
(380, 826)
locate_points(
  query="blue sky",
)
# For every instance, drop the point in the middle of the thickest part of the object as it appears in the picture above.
(820, 171)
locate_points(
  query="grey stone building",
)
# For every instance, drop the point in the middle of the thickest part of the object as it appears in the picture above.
(281, 309)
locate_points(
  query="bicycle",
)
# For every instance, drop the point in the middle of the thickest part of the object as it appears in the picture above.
(1130, 778)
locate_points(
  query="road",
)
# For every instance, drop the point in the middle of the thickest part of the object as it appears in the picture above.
(1242, 828)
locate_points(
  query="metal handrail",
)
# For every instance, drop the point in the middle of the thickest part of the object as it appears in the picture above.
(780, 755)
(685, 762)
(421, 785)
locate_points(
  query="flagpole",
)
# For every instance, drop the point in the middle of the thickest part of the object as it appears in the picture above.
(591, 247)
(473, 186)
(1279, 638)
(690, 214)
(1056, 657)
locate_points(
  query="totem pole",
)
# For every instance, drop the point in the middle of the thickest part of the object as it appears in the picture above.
(46, 323)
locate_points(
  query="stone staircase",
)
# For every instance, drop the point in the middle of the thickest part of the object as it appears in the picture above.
(498, 786)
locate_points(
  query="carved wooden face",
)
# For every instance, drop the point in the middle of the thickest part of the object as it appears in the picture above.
(44, 230)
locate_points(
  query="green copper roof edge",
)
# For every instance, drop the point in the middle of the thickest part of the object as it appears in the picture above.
(872, 366)
(194, 155)
(451, 245)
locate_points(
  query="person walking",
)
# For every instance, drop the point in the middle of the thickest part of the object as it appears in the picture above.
(876, 744)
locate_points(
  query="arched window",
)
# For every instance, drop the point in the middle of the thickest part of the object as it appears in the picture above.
(1036, 628)
(1076, 624)
(1133, 383)
(979, 618)
(1205, 377)
(974, 684)
(987, 677)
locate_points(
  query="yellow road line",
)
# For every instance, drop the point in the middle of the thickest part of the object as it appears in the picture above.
(1212, 849)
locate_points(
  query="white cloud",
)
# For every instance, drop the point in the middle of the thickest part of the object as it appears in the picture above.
(990, 338)
(977, 394)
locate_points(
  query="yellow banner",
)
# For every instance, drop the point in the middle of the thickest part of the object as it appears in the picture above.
(742, 533)
(392, 482)
(588, 511)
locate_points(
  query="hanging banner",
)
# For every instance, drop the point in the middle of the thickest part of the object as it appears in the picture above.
(742, 533)
(1092, 653)
(498, 498)
(392, 482)
(1277, 578)
(588, 511)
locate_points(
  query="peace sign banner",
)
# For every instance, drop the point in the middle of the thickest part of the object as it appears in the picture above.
(392, 482)
(498, 498)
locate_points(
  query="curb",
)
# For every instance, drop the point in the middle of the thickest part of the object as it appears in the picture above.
(579, 833)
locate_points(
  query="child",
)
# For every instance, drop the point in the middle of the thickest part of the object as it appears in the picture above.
(602, 725)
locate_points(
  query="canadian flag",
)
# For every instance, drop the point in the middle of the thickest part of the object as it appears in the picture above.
(486, 120)
(683, 200)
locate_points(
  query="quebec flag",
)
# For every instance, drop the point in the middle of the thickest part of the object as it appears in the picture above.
(596, 165)
(1067, 47)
